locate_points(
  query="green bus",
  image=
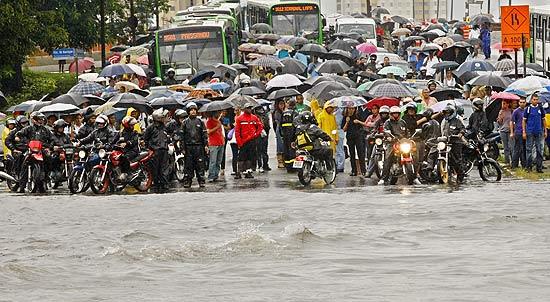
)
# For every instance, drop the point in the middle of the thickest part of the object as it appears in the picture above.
(193, 45)
(289, 18)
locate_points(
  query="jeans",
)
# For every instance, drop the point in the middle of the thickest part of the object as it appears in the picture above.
(519, 152)
(340, 153)
(279, 139)
(507, 145)
(216, 156)
(534, 139)
(234, 157)
(357, 143)
(263, 157)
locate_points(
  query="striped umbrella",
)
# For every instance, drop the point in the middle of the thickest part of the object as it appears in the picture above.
(390, 90)
(136, 51)
(505, 65)
(83, 88)
(267, 61)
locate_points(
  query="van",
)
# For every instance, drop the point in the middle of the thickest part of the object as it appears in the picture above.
(364, 26)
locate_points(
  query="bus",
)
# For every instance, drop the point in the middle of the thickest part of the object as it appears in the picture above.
(193, 45)
(288, 18)
(364, 26)
(213, 8)
(540, 35)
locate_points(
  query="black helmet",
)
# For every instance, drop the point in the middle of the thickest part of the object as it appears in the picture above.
(307, 117)
(60, 123)
(180, 113)
(428, 113)
(460, 110)
(477, 103)
(21, 119)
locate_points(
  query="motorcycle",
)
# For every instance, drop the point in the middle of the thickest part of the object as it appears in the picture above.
(9, 172)
(403, 150)
(441, 172)
(378, 156)
(87, 158)
(108, 173)
(475, 153)
(4, 169)
(66, 156)
(34, 161)
(176, 151)
(309, 167)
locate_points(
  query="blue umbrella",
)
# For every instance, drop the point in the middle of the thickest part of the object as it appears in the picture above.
(83, 88)
(544, 96)
(475, 65)
(219, 86)
(517, 92)
(201, 75)
(116, 70)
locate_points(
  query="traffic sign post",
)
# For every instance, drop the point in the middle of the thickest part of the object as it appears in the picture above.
(515, 29)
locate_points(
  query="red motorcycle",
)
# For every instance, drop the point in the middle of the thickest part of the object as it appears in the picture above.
(36, 174)
(108, 173)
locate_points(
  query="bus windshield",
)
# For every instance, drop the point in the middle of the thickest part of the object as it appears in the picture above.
(295, 24)
(366, 30)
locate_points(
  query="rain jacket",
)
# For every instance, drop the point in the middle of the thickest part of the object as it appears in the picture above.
(104, 135)
(5, 134)
(137, 127)
(194, 132)
(34, 132)
(155, 137)
(247, 128)
(327, 122)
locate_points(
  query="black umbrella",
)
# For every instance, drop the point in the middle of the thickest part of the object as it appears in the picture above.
(369, 75)
(239, 67)
(119, 48)
(201, 75)
(462, 44)
(434, 26)
(466, 76)
(445, 65)
(429, 35)
(221, 69)
(341, 44)
(50, 96)
(261, 28)
(313, 49)
(377, 11)
(400, 20)
(482, 18)
(456, 37)
(250, 90)
(390, 90)
(341, 79)
(242, 101)
(157, 93)
(283, 93)
(131, 100)
(474, 41)
(94, 99)
(258, 84)
(490, 80)
(216, 106)
(475, 65)
(70, 98)
(414, 38)
(166, 103)
(333, 66)
(340, 55)
(267, 37)
(536, 67)
(321, 91)
(293, 66)
(316, 80)
(442, 94)
(350, 92)
(492, 111)
(143, 93)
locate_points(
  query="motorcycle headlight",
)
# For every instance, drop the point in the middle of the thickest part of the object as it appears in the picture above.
(102, 153)
(81, 154)
(405, 148)
(378, 141)
(441, 146)
(485, 148)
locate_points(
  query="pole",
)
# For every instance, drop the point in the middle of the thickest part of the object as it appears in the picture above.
(76, 64)
(437, 13)
(102, 32)
(523, 46)
(157, 13)
(516, 62)
(452, 9)
(544, 31)
(132, 28)
(488, 6)
(414, 13)
(423, 10)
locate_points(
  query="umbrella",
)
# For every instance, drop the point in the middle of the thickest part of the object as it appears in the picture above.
(267, 61)
(393, 70)
(529, 84)
(434, 26)
(131, 100)
(216, 106)
(88, 77)
(333, 66)
(143, 60)
(369, 75)
(367, 47)
(284, 81)
(316, 80)
(429, 35)
(390, 90)
(293, 66)
(430, 47)
(382, 101)
(50, 96)
(200, 76)
(474, 41)
(266, 50)
(261, 28)
(219, 86)
(143, 93)
(203, 93)
(490, 80)
(268, 37)
(94, 99)
(37, 106)
(157, 93)
(166, 103)
(505, 96)
(238, 66)
(114, 70)
(400, 20)
(82, 64)
(475, 65)
(250, 90)
(221, 69)
(341, 79)
(126, 85)
(23, 107)
(365, 86)
(442, 94)
(498, 46)
(3, 100)
(59, 108)
(401, 32)
(544, 96)
(283, 93)
(482, 18)
(181, 87)
(321, 91)
(377, 11)
(349, 101)
(313, 49)
(70, 98)
(119, 48)
(83, 88)
(517, 92)
(444, 41)
(341, 44)
(338, 54)
(456, 37)
(536, 67)
(445, 65)
(249, 47)
(351, 92)
(505, 65)
(528, 71)
(135, 51)
(441, 105)
(241, 101)
(414, 38)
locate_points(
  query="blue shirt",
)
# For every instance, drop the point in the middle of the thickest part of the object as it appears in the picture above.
(533, 116)
(517, 119)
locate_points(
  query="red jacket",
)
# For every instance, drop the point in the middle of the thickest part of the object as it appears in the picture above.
(247, 128)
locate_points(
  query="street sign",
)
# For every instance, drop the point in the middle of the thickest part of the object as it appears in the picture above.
(64, 54)
(515, 26)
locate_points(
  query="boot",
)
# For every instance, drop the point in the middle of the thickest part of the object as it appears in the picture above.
(280, 161)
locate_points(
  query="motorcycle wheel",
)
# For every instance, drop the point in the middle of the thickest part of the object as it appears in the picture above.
(36, 182)
(304, 174)
(78, 182)
(145, 180)
(330, 175)
(180, 172)
(409, 173)
(378, 165)
(98, 186)
(443, 171)
(468, 166)
(489, 170)
(13, 186)
(493, 152)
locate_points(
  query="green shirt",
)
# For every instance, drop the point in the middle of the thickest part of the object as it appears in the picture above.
(301, 108)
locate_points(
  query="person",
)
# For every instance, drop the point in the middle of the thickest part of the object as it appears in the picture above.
(432, 86)
(174, 126)
(10, 125)
(534, 131)
(377, 127)
(453, 126)
(371, 65)
(127, 59)
(228, 81)
(195, 139)
(449, 80)
(17, 148)
(503, 121)
(427, 100)
(248, 128)
(35, 132)
(504, 56)
(59, 141)
(102, 134)
(216, 142)
(129, 141)
(89, 125)
(205, 83)
(474, 32)
(170, 78)
(300, 106)
(386, 62)
(263, 140)
(478, 123)
(429, 62)
(313, 136)
(288, 134)
(50, 120)
(156, 139)
(516, 134)
(312, 67)
(353, 124)
(398, 129)
(276, 117)
(232, 140)
(485, 36)
(327, 122)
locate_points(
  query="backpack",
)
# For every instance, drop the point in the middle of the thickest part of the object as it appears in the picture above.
(527, 112)
(304, 141)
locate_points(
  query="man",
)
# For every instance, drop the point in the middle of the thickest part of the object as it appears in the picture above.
(398, 129)
(170, 78)
(386, 62)
(453, 126)
(109, 90)
(174, 127)
(371, 65)
(216, 143)
(248, 128)
(10, 125)
(102, 133)
(300, 106)
(130, 143)
(59, 140)
(88, 127)
(313, 136)
(534, 130)
(205, 83)
(17, 148)
(288, 134)
(478, 122)
(157, 139)
(353, 124)
(263, 140)
(195, 139)
(427, 100)
(327, 122)
(227, 79)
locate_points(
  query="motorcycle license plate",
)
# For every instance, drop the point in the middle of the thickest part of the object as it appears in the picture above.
(298, 164)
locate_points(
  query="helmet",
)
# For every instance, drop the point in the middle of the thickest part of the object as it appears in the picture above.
(159, 115)
(180, 113)
(460, 110)
(191, 105)
(11, 122)
(428, 113)
(21, 119)
(101, 119)
(477, 103)
(307, 117)
(170, 70)
(395, 109)
(384, 109)
(37, 116)
(128, 122)
(410, 105)
(450, 112)
(60, 123)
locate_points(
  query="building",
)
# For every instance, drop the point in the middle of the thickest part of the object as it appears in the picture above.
(175, 6)
(417, 9)
(348, 7)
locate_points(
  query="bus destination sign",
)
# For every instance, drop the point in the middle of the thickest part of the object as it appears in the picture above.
(187, 36)
(294, 8)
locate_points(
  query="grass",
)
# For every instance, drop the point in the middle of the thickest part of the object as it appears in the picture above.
(522, 173)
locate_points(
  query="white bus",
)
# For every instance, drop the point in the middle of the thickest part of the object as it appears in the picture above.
(364, 26)
(540, 35)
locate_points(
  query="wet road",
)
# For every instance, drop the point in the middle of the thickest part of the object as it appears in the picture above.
(269, 239)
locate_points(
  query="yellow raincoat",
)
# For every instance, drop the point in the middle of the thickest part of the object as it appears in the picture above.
(137, 127)
(5, 133)
(327, 122)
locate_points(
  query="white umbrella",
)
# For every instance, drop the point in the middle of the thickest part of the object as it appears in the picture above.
(137, 69)
(284, 81)
(88, 77)
(59, 108)
(529, 84)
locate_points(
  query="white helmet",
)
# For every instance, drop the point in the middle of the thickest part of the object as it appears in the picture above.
(159, 114)
(191, 105)
(395, 109)
(101, 119)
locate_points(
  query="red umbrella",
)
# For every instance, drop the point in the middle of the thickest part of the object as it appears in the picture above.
(505, 96)
(382, 101)
(143, 60)
(498, 46)
(83, 64)
(115, 58)
(367, 48)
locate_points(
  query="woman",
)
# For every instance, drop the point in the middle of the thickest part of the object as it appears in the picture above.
(503, 121)
(353, 124)
(276, 117)
(449, 80)
(233, 143)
